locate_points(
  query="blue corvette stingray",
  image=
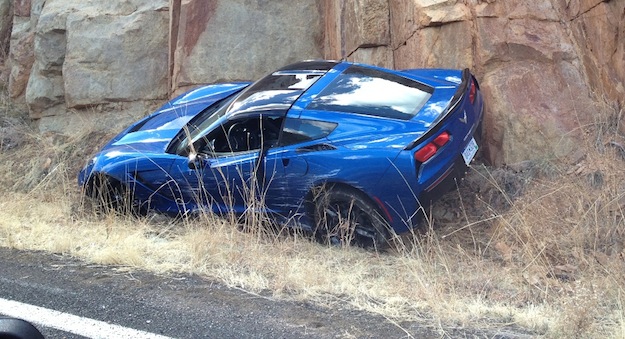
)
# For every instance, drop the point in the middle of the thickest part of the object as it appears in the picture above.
(350, 151)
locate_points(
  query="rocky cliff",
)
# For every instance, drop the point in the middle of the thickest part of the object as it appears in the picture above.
(546, 67)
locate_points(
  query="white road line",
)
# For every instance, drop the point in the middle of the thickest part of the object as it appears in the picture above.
(70, 323)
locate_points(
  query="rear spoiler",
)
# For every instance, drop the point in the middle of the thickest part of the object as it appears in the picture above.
(453, 104)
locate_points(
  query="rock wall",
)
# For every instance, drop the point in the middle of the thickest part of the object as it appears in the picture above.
(599, 29)
(102, 64)
(546, 67)
(71, 62)
(240, 39)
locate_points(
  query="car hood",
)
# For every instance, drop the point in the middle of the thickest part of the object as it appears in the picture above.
(173, 115)
(150, 141)
(141, 149)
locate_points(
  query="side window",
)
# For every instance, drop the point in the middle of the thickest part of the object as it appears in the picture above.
(301, 130)
(241, 135)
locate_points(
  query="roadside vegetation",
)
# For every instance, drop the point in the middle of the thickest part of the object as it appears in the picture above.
(535, 248)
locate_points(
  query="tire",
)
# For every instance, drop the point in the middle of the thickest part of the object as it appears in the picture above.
(109, 195)
(345, 216)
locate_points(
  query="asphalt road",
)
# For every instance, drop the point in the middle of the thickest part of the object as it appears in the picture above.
(175, 306)
(183, 306)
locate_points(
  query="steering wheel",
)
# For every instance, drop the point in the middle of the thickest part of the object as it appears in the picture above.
(243, 138)
(236, 136)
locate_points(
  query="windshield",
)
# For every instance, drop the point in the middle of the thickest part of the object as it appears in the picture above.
(278, 90)
(199, 125)
(275, 92)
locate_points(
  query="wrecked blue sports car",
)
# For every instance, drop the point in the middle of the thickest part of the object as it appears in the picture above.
(350, 151)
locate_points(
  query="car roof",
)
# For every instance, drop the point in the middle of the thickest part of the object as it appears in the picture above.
(280, 89)
(298, 86)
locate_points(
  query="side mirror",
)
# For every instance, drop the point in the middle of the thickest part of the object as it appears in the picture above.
(18, 328)
(196, 161)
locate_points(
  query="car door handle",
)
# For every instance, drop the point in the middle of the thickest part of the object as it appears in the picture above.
(285, 161)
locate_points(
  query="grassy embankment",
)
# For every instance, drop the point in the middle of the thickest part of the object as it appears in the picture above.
(536, 246)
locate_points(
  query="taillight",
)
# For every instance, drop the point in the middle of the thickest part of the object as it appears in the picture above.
(428, 151)
(472, 92)
(441, 139)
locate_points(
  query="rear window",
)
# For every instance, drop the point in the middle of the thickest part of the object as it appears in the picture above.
(373, 92)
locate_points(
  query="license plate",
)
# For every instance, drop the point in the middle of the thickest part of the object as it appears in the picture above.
(469, 152)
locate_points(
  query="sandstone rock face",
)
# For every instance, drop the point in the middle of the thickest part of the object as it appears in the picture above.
(431, 34)
(529, 67)
(116, 54)
(21, 54)
(539, 81)
(76, 59)
(358, 30)
(6, 23)
(96, 55)
(241, 39)
(544, 66)
(599, 27)
(22, 7)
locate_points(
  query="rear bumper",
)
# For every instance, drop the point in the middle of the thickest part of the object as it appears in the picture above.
(445, 183)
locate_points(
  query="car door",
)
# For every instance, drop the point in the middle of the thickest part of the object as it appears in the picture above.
(286, 168)
(220, 184)
(281, 168)
(230, 182)
(224, 174)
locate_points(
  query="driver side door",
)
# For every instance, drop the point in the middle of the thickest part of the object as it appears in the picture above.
(227, 172)
(230, 182)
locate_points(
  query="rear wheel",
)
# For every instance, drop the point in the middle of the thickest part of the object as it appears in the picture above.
(346, 217)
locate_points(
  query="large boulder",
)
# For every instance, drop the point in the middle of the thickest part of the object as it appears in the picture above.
(240, 39)
(95, 55)
(449, 46)
(45, 84)
(534, 110)
(23, 7)
(368, 25)
(6, 23)
(536, 93)
(21, 58)
(21, 54)
(117, 55)
(431, 33)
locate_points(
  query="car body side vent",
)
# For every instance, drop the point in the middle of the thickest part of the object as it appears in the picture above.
(316, 148)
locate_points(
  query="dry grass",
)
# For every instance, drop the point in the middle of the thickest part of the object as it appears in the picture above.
(536, 248)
